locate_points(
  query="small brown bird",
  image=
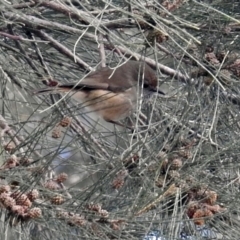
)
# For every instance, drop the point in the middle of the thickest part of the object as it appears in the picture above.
(112, 93)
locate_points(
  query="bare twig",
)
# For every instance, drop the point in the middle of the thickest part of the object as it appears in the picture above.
(62, 49)
(101, 50)
(172, 190)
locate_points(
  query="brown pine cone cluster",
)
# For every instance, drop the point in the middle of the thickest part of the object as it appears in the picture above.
(171, 161)
(169, 168)
(57, 131)
(55, 185)
(202, 205)
(73, 219)
(19, 204)
(97, 209)
(14, 161)
(101, 218)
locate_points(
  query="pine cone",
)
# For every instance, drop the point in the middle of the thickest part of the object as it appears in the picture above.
(33, 195)
(34, 213)
(19, 210)
(65, 122)
(23, 200)
(5, 188)
(56, 133)
(51, 185)
(57, 200)
(61, 177)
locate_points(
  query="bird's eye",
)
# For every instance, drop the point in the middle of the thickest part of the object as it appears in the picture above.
(145, 85)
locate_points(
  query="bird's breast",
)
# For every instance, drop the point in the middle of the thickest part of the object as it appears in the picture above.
(109, 105)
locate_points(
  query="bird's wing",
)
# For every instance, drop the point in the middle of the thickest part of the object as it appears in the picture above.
(74, 87)
(117, 80)
(103, 79)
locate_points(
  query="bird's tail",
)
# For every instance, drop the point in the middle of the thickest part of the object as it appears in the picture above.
(52, 90)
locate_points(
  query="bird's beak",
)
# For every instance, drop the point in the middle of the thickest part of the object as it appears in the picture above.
(158, 91)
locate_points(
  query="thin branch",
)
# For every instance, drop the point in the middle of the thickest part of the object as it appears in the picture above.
(172, 190)
(64, 50)
(101, 50)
